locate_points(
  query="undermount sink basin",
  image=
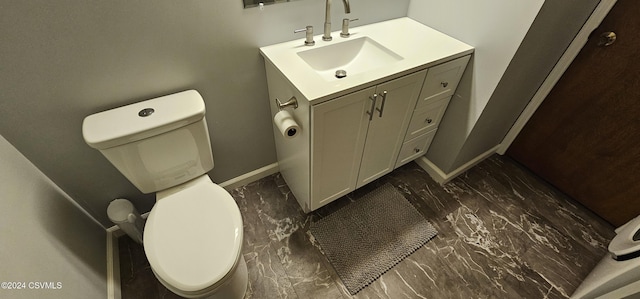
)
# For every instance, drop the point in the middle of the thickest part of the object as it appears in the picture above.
(374, 53)
(354, 56)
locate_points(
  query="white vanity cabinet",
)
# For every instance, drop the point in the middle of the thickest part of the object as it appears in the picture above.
(348, 141)
(439, 85)
(356, 138)
(383, 114)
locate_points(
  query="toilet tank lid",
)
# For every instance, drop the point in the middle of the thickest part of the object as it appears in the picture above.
(142, 119)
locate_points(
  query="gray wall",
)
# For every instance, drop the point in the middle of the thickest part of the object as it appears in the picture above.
(461, 136)
(556, 25)
(63, 60)
(496, 29)
(45, 236)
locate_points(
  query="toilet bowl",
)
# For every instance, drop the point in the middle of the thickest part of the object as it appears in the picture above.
(193, 235)
(193, 241)
(617, 275)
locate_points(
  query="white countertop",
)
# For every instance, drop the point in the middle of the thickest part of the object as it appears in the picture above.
(419, 46)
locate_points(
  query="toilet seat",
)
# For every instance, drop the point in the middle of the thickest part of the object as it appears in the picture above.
(193, 235)
(626, 244)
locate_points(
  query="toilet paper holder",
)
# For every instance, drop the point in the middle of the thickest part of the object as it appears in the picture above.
(291, 102)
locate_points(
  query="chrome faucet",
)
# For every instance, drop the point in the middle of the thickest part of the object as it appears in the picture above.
(327, 18)
(309, 31)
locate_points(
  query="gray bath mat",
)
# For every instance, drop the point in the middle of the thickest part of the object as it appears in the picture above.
(366, 238)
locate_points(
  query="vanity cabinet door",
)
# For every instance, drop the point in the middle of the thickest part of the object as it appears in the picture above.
(339, 129)
(388, 126)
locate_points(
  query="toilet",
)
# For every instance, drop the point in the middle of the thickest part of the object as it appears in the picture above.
(618, 273)
(193, 235)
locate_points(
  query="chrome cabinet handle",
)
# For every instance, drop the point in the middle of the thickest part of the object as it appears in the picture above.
(373, 99)
(384, 99)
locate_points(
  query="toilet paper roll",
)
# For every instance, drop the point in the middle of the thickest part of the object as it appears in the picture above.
(286, 124)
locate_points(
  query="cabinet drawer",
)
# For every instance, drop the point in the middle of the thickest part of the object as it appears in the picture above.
(414, 148)
(427, 118)
(442, 80)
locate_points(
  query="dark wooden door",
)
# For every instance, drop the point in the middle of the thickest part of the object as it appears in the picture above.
(585, 137)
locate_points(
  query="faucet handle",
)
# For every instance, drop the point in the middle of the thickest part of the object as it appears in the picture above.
(309, 31)
(345, 27)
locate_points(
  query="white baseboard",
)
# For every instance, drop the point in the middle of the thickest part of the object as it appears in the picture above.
(441, 177)
(113, 263)
(250, 176)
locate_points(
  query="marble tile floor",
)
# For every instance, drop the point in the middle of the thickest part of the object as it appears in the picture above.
(503, 233)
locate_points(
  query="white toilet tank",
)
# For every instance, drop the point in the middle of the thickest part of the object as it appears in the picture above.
(156, 144)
